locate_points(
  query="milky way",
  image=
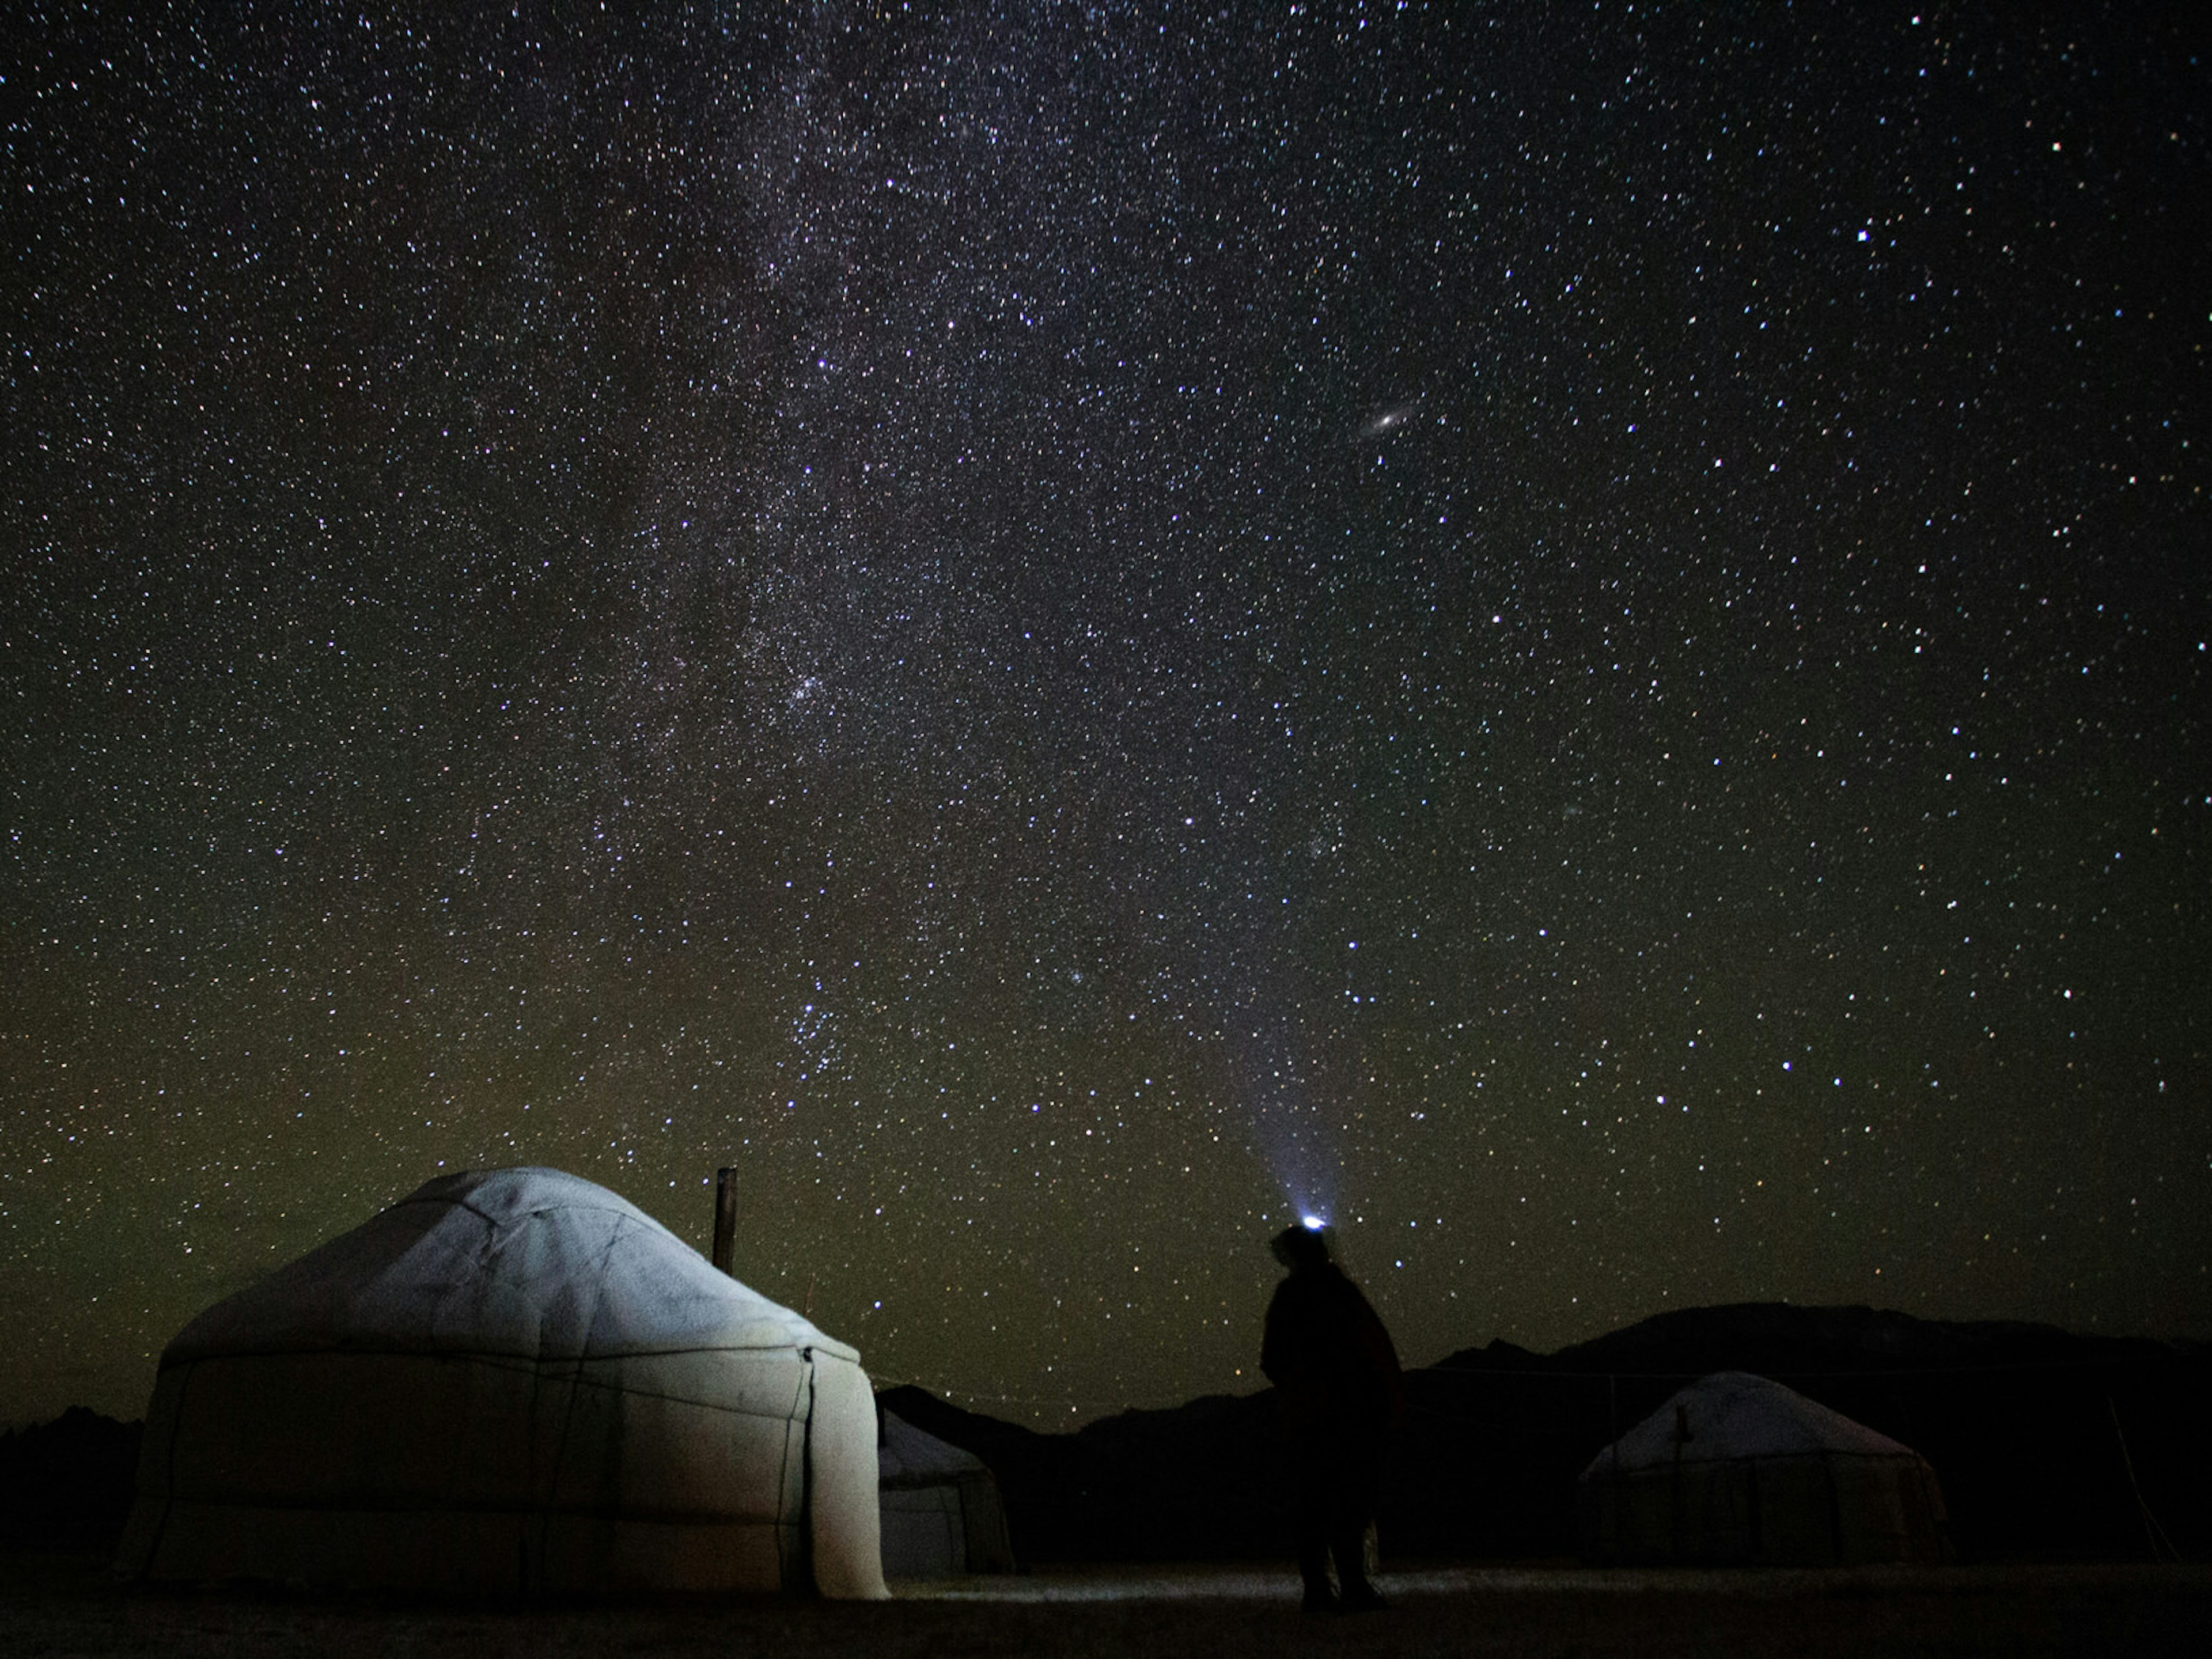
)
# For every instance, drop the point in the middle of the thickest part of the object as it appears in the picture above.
(1574, 636)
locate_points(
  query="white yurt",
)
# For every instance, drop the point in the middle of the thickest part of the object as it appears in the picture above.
(1737, 1470)
(510, 1381)
(940, 1509)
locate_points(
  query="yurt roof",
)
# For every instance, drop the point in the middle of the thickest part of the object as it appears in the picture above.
(1734, 1414)
(531, 1262)
(913, 1457)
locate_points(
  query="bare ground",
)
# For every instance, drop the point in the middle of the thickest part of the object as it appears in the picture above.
(54, 1605)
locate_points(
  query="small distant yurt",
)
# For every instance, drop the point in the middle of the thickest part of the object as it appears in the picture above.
(1736, 1470)
(940, 1509)
(508, 1381)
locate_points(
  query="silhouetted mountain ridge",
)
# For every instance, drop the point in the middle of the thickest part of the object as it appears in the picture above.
(2031, 1429)
(67, 1485)
(1782, 1338)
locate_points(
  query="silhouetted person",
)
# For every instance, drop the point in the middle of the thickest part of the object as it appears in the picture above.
(1336, 1379)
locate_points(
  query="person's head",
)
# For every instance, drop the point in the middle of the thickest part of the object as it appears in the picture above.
(1303, 1250)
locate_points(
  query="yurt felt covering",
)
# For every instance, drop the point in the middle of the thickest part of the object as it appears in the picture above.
(1735, 1469)
(942, 1514)
(511, 1381)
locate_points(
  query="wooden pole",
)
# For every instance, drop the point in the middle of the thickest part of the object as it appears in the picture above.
(725, 1219)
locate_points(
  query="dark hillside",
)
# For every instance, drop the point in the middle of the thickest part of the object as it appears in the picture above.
(67, 1485)
(2032, 1430)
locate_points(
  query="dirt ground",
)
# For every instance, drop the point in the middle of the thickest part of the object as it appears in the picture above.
(54, 1605)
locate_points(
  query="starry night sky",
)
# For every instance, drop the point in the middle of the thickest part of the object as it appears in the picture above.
(1573, 635)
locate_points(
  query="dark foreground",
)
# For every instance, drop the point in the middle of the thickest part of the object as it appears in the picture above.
(69, 1606)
